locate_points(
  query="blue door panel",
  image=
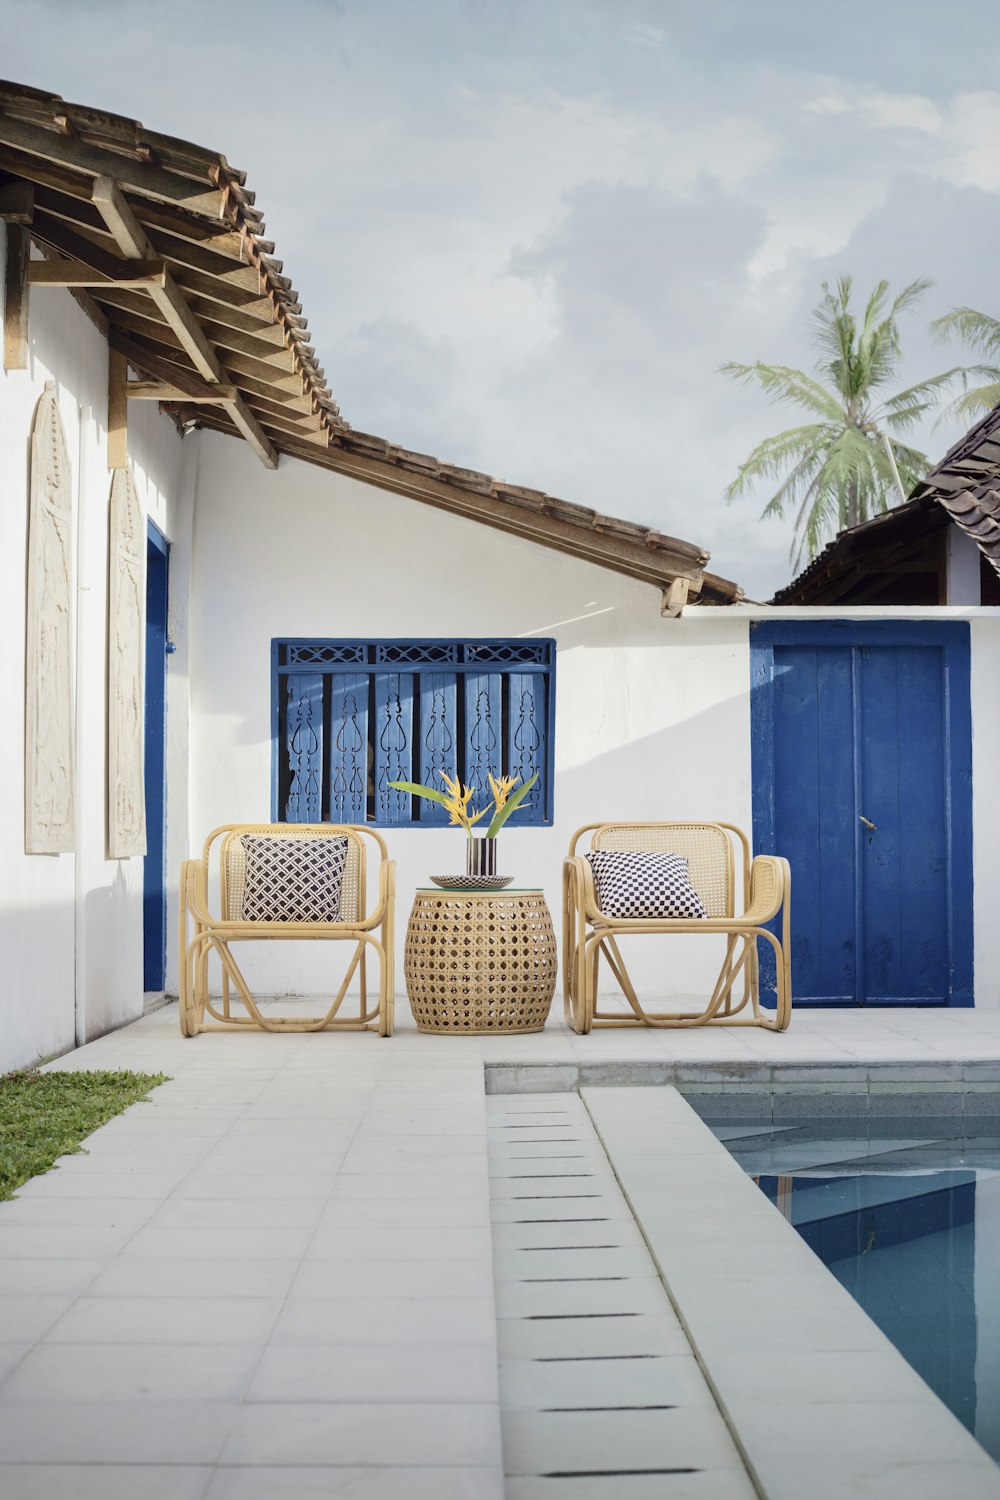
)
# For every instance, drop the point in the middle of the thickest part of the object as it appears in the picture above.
(154, 883)
(877, 729)
(867, 722)
(814, 775)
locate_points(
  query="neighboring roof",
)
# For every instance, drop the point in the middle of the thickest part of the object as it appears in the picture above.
(859, 556)
(206, 311)
(964, 487)
(967, 483)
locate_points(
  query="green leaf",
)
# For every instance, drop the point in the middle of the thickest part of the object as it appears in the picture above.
(511, 805)
(417, 790)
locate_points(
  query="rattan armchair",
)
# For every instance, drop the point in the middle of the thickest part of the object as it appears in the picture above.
(201, 933)
(711, 850)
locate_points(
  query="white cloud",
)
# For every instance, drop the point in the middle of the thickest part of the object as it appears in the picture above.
(525, 235)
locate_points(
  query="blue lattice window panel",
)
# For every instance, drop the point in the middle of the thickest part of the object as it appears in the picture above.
(349, 717)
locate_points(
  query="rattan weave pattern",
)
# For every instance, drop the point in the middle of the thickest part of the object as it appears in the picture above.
(481, 961)
(706, 848)
(234, 867)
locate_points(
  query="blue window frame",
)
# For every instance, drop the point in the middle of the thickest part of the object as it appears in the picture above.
(350, 716)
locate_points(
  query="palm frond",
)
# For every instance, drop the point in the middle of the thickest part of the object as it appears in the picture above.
(769, 458)
(975, 403)
(977, 329)
(785, 383)
(796, 483)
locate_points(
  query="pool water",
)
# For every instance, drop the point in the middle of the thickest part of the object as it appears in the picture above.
(906, 1214)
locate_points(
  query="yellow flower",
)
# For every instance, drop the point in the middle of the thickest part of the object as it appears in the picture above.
(457, 803)
(501, 789)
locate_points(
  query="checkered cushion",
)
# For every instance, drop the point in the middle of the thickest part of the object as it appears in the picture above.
(293, 880)
(640, 884)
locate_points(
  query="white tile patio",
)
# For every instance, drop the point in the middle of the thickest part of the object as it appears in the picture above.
(276, 1278)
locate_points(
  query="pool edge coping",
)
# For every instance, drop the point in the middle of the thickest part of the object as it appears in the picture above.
(700, 1179)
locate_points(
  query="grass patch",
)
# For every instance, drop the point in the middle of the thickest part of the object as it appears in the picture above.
(47, 1115)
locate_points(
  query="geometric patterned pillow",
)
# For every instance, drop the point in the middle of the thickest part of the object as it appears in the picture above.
(637, 884)
(293, 880)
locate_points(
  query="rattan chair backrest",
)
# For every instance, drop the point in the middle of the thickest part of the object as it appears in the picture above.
(234, 866)
(706, 847)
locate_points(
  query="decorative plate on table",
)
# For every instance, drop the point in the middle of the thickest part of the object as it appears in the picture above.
(472, 882)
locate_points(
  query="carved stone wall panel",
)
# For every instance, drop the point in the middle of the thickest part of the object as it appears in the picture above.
(49, 720)
(126, 646)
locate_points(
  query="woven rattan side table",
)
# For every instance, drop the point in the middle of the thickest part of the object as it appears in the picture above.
(480, 961)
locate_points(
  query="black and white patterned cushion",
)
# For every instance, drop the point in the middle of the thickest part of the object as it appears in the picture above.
(293, 880)
(644, 884)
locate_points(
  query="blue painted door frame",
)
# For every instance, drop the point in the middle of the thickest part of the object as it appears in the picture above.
(154, 875)
(862, 777)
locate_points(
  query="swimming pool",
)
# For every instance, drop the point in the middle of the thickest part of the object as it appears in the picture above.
(906, 1214)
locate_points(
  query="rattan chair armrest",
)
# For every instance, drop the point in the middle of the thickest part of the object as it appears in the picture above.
(386, 892)
(585, 887)
(578, 835)
(767, 889)
(194, 886)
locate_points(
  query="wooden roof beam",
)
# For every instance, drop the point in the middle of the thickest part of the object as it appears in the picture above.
(69, 273)
(138, 176)
(17, 202)
(17, 208)
(131, 239)
(159, 390)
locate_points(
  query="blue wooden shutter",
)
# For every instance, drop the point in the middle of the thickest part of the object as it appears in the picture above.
(526, 721)
(304, 741)
(438, 738)
(483, 751)
(393, 745)
(348, 747)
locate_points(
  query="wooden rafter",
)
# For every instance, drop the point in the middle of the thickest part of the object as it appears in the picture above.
(73, 273)
(136, 175)
(169, 299)
(158, 390)
(17, 208)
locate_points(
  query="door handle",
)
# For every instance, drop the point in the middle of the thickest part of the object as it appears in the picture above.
(867, 822)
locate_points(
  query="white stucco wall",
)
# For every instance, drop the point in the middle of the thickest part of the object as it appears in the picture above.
(652, 714)
(71, 924)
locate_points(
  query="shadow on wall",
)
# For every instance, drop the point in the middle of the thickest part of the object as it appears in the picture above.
(50, 967)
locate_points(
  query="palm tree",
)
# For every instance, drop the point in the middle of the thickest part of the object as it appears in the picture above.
(849, 463)
(982, 333)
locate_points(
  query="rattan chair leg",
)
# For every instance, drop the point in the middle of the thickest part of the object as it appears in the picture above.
(182, 952)
(256, 1019)
(581, 999)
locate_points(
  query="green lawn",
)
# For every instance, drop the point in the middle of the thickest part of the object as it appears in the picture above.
(45, 1115)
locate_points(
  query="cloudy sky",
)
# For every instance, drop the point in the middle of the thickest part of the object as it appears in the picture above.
(527, 232)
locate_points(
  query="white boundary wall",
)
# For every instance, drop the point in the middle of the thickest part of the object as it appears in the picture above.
(71, 924)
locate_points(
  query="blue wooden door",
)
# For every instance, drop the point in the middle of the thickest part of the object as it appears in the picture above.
(154, 884)
(862, 778)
